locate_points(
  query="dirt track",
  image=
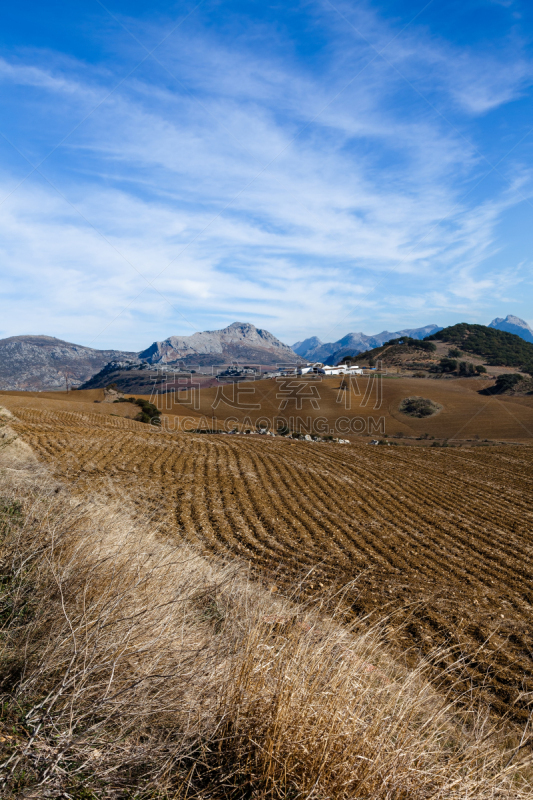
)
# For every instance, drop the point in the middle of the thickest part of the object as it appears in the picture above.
(441, 537)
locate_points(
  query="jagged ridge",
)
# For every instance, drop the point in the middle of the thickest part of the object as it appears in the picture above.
(45, 363)
(240, 341)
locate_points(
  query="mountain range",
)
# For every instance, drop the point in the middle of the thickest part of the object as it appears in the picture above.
(240, 341)
(313, 349)
(44, 363)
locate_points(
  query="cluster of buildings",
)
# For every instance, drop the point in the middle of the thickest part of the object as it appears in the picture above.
(317, 369)
(321, 369)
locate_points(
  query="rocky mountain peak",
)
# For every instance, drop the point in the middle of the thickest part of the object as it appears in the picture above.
(240, 342)
(307, 345)
(513, 324)
(44, 362)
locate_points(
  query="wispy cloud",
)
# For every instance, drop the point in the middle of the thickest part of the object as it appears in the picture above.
(252, 187)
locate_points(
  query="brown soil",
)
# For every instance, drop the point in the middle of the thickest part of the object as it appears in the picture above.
(465, 413)
(439, 538)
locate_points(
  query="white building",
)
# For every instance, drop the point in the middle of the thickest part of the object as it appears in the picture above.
(317, 368)
(343, 369)
(320, 369)
(354, 370)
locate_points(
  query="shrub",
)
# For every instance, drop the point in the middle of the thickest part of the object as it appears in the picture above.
(504, 383)
(466, 369)
(447, 365)
(419, 407)
(149, 413)
(408, 341)
(480, 369)
(427, 346)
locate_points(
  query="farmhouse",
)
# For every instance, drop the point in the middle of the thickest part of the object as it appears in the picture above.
(317, 368)
(342, 369)
(320, 369)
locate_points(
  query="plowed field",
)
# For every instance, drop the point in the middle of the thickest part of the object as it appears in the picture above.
(442, 538)
(370, 406)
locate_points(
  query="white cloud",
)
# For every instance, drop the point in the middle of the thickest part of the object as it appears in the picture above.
(370, 198)
(477, 79)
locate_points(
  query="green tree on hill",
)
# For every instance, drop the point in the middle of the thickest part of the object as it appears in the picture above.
(148, 414)
(445, 365)
(504, 383)
(499, 348)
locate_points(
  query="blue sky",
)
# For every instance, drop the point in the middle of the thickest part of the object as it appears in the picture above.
(311, 167)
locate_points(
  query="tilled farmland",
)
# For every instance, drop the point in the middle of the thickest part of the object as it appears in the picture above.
(438, 539)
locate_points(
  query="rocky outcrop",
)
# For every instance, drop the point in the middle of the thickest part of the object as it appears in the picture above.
(43, 363)
(512, 324)
(240, 342)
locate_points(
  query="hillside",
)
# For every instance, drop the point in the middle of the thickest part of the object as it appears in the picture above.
(497, 347)
(424, 532)
(143, 378)
(368, 408)
(307, 346)
(240, 342)
(43, 363)
(134, 662)
(355, 343)
(462, 350)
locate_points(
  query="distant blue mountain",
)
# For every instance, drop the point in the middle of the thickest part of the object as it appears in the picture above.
(513, 324)
(313, 349)
(301, 348)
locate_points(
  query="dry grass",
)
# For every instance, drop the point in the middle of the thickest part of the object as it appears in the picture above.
(427, 533)
(134, 668)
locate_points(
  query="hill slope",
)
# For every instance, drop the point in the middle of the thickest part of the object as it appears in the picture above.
(438, 537)
(496, 346)
(240, 341)
(43, 363)
(229, 683)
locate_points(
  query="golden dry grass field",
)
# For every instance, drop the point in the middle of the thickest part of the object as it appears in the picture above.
(439, 538)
